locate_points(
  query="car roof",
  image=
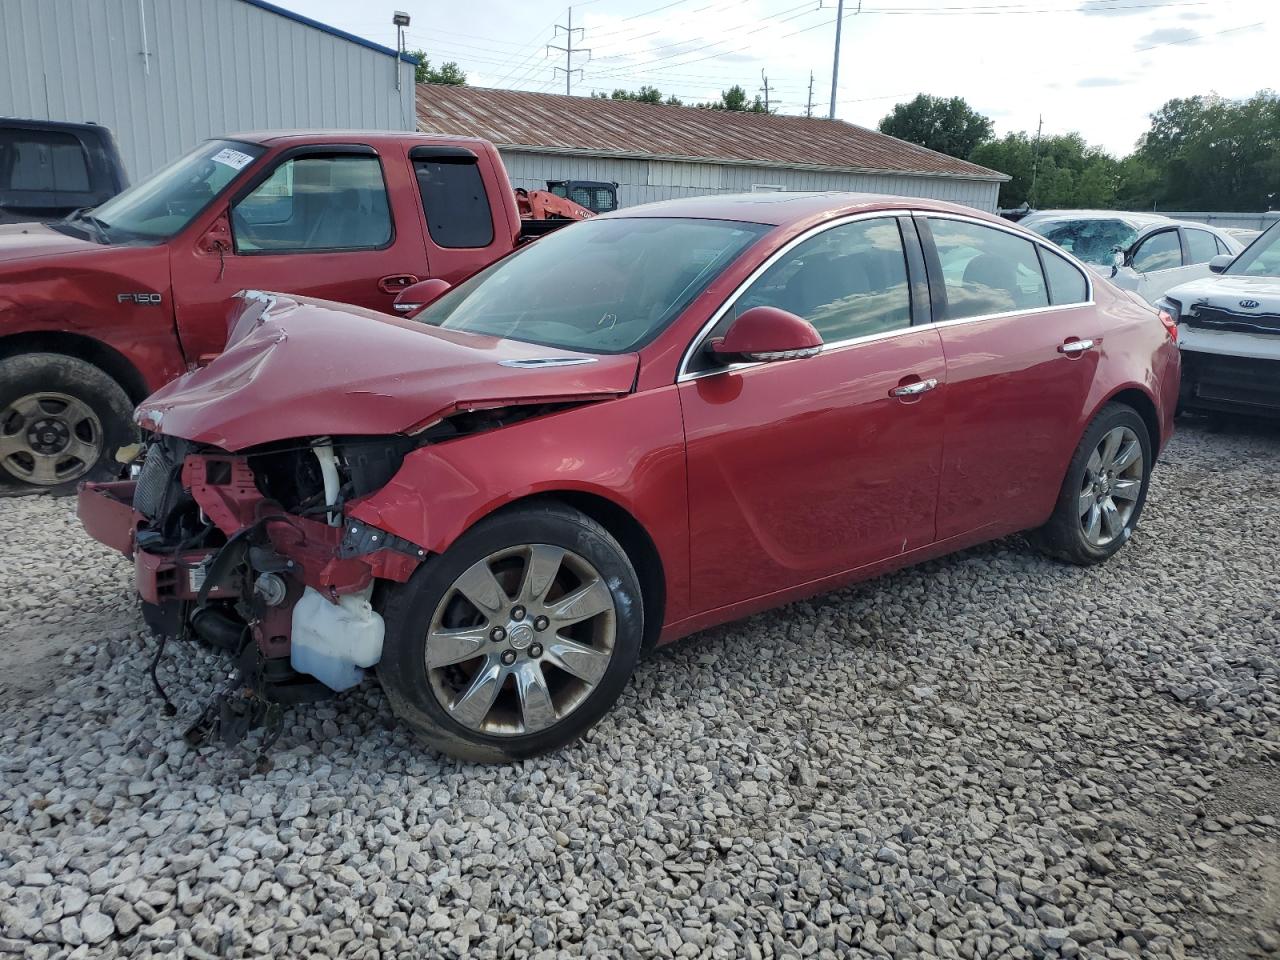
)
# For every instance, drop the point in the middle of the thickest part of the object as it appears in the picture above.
(268, 138)
(790, 209)
(18, 123)
(1126, 216)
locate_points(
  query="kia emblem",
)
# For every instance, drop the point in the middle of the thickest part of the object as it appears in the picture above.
(1249, 304)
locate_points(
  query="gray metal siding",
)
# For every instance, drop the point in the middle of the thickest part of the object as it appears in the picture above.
(216, 66)
(645, 181)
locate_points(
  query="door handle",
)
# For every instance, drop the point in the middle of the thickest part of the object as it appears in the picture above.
(396, 282)
(914, 388)
(1073, 348)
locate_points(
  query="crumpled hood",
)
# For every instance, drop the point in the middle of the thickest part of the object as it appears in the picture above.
(32, 241)
(297, 367)
(1226, 292)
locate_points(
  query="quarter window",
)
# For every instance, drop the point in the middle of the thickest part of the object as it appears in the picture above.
(1066, 283)
(849, 281)
(315, 203)
(985, 270)
(1160, 251)
(1202, 246)
(454, 201)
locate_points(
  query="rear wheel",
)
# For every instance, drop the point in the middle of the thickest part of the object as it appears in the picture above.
(517, 639)
(61, 421)
(1104, 490)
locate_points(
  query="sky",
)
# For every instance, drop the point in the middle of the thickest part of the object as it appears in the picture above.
(1097, 67)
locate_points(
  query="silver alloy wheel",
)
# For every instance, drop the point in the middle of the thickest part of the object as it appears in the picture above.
(1112, 482)
(49, 438)
(521, 639)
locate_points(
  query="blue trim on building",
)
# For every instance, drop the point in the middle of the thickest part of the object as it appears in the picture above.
(324, 27)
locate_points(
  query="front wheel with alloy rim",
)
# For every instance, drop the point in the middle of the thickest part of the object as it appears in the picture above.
(1104, 490)
(61, 421)
(515, 640)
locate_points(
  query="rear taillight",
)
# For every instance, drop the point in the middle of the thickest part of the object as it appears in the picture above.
(1169, 310)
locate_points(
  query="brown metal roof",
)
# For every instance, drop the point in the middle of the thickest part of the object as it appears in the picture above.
(624, 128)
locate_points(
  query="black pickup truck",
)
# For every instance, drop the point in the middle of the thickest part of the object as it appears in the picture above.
(49, 168)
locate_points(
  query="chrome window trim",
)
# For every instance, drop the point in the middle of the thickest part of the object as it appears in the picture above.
(683, 374)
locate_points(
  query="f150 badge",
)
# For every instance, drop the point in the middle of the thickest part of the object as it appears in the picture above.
(142, 299)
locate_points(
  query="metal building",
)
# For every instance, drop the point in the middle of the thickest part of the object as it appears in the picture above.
(655, 152)
(165, 74)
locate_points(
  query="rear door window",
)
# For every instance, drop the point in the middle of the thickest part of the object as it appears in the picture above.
(986, 270)
(454, 201)
(315, 203)
(1160, 251)
(1202, 246)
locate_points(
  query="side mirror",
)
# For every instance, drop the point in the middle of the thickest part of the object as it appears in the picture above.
(765, 334)
(421, 294)
(1117, 259)
(1220, 263)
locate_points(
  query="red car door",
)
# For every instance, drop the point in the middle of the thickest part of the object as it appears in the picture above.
(802, 469)
(1021, 352)
(318, 222)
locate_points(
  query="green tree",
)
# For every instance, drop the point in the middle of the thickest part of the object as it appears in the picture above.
(949, 126)
(1069, 173)
(645, 94)
(449, 73)
(735, 99)
(1215, 154)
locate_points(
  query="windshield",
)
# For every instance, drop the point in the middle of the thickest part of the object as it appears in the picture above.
(601, 286)
(1262, 258)
(163, 204)
(1093, 241)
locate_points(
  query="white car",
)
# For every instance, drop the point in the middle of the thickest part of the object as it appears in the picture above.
(1143, 252)
(1229, 332)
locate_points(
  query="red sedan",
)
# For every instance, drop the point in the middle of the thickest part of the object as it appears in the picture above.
(639, 427)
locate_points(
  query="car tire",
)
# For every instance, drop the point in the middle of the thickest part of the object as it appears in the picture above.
(443, 653)
(61, 421)
(1083, 528)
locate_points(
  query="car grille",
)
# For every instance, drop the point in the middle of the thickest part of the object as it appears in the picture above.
(1218, 319)
(1212, 381)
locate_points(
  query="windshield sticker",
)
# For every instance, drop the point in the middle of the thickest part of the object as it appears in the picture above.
(232, 158)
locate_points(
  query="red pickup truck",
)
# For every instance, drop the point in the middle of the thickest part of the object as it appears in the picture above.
(99, 310)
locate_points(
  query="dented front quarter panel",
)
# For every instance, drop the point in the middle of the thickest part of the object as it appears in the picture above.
(628, 451)
(300, 368)
(119, 296)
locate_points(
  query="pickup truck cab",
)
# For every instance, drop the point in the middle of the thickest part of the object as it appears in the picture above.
(49, 168)
(103, 308)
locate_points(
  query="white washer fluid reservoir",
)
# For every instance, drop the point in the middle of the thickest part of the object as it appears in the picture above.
(333, 641)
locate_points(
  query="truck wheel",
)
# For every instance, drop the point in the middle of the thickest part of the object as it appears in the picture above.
(61, 421)
(517, 639)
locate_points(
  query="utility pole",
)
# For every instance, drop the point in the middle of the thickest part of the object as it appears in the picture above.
(1035, 164)
(835, 64)
(568, 51)
(765, 88)
(808, 109)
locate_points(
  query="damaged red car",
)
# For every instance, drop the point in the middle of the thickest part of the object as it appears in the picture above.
(638, 427)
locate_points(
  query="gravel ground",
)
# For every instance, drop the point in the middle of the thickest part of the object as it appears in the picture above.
(990, 755)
